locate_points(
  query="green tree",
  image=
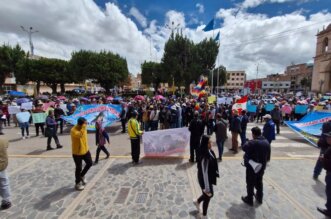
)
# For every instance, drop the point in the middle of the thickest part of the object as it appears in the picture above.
(105, 68)
(222, 76)
(185, 61)
(305, 83)
(151, 73)
(9, 57)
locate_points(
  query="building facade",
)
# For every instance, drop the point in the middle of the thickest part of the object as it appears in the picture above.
(276, 86)
(235, 81)
(298, 73)
(322, 62)
(255, 86)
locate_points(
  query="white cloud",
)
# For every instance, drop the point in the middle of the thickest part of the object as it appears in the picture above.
(250, 38)
(255, 3)
(175, 19)
(200, 7)
(65, 26)
(138, 16)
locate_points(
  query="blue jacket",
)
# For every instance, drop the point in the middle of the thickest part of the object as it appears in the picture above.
(269, 130)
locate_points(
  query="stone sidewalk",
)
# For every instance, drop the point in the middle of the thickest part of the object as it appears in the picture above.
(158, 188)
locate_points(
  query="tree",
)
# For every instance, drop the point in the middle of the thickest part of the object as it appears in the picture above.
(305, 83)
(105, 68)
(185, 61)
(151, 73)
(222, 76)
(9, 57)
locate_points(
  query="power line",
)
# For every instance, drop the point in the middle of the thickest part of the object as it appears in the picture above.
(276, 35)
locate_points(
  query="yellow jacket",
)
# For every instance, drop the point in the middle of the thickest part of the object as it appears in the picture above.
(79, 140)
(134, 128)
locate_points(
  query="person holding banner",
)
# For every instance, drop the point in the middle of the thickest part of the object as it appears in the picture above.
(39, 124)
(256, 150)
(23, 119)
(207, 175)
(134, 134)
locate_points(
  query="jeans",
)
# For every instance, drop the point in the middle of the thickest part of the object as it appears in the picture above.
(59, 122)
(49, 139)
(4, 186)
(135, 149)
(123, 121)
(328, 191)
(179, 123)
(277, 123)
(146, 126)
(24, 126)
(104, 149)
(220, 145)
(243, 137)
(78, 162)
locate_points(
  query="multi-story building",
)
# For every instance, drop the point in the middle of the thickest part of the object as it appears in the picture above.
(299, 72)
(322, 62)
(235, 81)
(254, 85)
(276, 86)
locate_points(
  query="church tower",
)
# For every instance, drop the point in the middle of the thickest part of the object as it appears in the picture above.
(322, 62)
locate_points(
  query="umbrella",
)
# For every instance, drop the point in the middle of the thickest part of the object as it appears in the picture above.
(61, 98)
(139, 97)
(84, 99)
(110, 98)
(17, 93)
(159, 97)
(43, 97)
(22, 100)
(118, 99)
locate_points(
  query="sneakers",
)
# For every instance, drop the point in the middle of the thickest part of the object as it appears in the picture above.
(84, 181)
(23, 137)
(28, 136)
(49, 148)
(79, 186)
(324, 211)
(197, 205)
(5, 205)
(204, 217)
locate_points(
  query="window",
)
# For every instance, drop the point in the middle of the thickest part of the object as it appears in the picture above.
(242, 74)
(325, 45)
(238, 74)
(287, 85)
(237, 84)
(271, 85)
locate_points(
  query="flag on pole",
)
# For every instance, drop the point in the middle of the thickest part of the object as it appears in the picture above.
(209, 26)
(217, 38)
(240, 105)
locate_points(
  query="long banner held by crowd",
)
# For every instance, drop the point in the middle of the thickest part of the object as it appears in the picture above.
(310, 126)
(110, 112)
(166, 142)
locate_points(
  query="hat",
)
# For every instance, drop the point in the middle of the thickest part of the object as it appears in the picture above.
(267, 116)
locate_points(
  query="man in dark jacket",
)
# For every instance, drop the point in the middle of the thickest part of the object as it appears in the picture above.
(326, 160)
(244, 121)
(196, 128)
(322, 144)
(269, 131)
(256, 150)
(235, 128)
(220, 129)
(123, 117)
(276, 116)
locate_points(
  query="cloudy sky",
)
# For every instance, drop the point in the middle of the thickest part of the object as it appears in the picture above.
(273, 33)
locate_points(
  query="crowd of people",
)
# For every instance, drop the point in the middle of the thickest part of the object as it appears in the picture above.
(202, 118)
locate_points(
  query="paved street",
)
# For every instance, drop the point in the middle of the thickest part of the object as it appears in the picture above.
(42, 183)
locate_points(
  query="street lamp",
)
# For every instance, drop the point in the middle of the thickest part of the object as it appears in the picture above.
(172, 27)
(30, 32)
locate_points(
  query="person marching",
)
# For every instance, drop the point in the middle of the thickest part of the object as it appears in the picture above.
(80, 152)
(100, 138)
(256, 150)
(196, 128)
(207, 175)
(134, 133)
(50, 131)
(269, 131)
(4, 181)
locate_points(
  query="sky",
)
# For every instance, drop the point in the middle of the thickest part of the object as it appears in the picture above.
(270, 34)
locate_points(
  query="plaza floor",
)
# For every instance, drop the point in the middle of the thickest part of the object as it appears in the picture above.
(42, 184)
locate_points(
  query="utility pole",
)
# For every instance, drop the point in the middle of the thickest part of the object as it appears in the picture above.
(257, 74)
(30, 32)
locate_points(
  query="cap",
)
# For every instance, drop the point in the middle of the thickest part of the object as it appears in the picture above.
(267, 116)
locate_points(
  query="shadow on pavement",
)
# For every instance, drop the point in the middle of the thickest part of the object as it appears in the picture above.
(194, 214)
(240, 211)
(36, 152)
(119, 168)
(54, 196)
(319, 188)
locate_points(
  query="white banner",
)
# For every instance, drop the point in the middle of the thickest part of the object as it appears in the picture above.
(14, 109)
(166, 142)
(26, 106)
